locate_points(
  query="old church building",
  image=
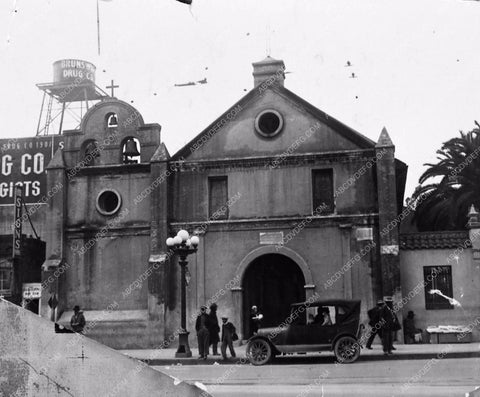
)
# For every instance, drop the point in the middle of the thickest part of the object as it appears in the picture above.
(288, 202)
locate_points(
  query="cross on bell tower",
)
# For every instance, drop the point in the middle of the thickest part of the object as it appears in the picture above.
(112, 86)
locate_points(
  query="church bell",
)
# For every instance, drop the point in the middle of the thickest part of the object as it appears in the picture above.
(113, 121)
(130, 148)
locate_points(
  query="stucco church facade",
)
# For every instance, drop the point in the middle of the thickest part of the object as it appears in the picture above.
(288, 202)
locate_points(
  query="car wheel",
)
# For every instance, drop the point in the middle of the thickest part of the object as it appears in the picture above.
(259, 352)
(346, 349)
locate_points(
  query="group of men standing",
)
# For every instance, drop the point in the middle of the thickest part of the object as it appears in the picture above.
(384, 322)
(208, 330)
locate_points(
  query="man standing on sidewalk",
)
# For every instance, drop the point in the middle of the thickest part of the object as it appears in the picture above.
(388, 326)
(228, 330)
(374, 316)
(213, 329)
(201, 326)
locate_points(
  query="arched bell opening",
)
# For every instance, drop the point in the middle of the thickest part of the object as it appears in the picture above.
(90, 152)
(130, 151)
(111, 120)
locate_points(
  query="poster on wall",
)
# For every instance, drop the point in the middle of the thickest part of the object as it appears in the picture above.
(23, 162)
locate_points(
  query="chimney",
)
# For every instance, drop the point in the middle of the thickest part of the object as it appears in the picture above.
(270, 71)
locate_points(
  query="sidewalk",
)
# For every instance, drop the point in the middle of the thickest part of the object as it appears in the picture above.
(403, 352)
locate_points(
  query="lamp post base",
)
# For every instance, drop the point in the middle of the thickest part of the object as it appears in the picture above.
(183, 347)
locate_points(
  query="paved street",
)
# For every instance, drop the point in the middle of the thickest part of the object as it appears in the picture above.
(319, 376)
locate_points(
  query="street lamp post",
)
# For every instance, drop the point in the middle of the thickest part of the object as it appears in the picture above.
(183, 245)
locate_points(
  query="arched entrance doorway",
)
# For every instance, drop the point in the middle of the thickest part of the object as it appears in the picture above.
(272, 282)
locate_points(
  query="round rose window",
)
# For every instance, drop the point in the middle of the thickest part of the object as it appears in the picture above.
(269, 123)
(108, 202)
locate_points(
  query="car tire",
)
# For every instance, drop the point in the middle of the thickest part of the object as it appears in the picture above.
(259, 352)
(346, 349)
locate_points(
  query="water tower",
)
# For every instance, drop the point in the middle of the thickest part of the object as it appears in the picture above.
(70, 95)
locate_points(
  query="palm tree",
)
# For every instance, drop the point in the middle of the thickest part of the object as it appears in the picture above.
(444, 203)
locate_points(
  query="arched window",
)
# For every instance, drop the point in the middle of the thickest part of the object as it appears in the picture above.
(111, 120)
(130, 151)
(90, 152)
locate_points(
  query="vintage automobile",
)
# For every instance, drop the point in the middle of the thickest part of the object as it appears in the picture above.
(340, 333)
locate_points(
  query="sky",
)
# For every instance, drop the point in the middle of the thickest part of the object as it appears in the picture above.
(417, 62)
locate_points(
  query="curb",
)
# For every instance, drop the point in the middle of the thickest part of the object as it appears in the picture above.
(324, 359)
(420, 356)
(193, 361)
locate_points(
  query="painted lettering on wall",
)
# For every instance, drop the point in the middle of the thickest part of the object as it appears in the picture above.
(70, 69)
(22, 163)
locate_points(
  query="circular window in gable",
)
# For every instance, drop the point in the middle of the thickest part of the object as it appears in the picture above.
(108, 202)
(269, 123)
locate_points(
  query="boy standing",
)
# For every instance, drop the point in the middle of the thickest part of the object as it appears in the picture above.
(228, 331)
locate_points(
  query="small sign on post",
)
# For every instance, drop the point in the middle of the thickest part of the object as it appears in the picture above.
(17, 230)
(32, 290)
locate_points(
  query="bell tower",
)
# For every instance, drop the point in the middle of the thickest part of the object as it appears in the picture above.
(110, 164)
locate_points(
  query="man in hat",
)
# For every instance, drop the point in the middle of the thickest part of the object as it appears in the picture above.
(409, 328)
(201, 326)
(77, 321)
(213, 329)
(390, 325)
(374, 317)
(228, 332)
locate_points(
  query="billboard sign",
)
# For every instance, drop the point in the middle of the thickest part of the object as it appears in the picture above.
(23, 162)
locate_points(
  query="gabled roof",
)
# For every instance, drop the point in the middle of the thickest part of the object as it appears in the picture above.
(185, 151)
(349, 133)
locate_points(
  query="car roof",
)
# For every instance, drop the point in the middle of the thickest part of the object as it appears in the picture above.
(329, 302)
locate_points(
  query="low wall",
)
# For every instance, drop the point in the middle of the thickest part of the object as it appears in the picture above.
(35, 361)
